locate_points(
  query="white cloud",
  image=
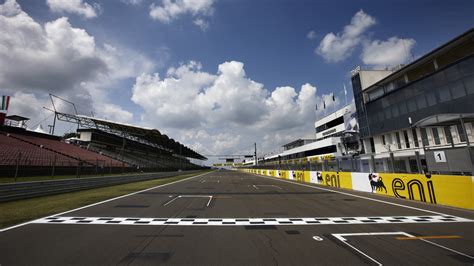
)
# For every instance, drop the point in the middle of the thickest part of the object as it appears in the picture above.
(57, 58)
(201, 23)
(225, 111)
(116, 113)
(387, 53)
(170, 10)
(78, 7)
(311, 35)
(28, 105)
(337, 47)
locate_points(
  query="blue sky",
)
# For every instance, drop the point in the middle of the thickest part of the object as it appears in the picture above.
(267, 39)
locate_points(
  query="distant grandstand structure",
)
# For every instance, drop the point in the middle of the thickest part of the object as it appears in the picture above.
(98, 146)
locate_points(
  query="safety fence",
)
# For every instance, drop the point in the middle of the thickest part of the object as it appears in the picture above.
(456, 191)
(24, 190)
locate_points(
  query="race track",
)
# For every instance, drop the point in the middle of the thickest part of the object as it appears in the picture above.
(235, 218)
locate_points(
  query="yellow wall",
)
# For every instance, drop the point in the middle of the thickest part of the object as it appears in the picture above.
(456, 191)
(440, 189)
(337, 179)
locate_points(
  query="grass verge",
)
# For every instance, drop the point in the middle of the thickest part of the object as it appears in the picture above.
(19, 211)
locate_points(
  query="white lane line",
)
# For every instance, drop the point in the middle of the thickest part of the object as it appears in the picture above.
(210, 181)
(253, 221)
(175, 198)
(256, 186)
(191, 196)
(105, 201)
(356, 196)
(342, 238)
(452, 250)
(209, 202)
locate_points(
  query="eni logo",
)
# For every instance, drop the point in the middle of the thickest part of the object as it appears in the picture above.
(399, 185)
(299, 176)
(332, 180)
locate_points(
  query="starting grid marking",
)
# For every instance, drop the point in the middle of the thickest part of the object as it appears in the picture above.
(252, 221)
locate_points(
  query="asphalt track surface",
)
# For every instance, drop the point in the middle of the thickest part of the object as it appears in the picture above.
(234, 218)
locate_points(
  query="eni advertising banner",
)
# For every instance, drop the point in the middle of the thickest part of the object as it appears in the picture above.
(298, 176)
(337, 179)
(438, 189)
(283, 174)
(456, 191)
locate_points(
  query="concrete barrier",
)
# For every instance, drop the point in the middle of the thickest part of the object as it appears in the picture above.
(450, 190)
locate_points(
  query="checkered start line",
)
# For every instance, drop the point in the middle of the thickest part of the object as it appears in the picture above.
(251, 221)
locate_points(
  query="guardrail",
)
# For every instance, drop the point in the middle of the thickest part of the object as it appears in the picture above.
(25, 190)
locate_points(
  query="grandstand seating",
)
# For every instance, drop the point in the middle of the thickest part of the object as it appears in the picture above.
(14, 151)
(70, 150)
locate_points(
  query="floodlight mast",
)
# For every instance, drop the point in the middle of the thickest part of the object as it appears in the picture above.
(51, 96)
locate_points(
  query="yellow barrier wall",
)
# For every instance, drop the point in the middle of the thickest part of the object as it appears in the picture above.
(337, 179)
(438, 189)
(456, 191)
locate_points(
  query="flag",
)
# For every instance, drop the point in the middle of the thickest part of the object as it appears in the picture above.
(5, 103)
(324, 104)
(316, 107)
(345, 91)
(333, 97)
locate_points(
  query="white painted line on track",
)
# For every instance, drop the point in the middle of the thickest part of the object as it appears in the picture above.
(175, 198)
(354, 195)
(443, 247)
(191, 196)
(342, 238)
(253, 221)
(210, 181)
(105, 201)
(256, 186)
(209, 202)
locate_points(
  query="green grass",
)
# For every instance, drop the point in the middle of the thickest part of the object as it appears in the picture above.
(4, 180)
(19, 211)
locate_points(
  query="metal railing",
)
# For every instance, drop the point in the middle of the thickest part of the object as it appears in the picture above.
(24, 190)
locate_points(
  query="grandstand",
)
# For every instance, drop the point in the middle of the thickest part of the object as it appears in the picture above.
(99, 146)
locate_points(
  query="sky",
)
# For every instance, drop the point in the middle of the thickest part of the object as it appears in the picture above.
(216, 75)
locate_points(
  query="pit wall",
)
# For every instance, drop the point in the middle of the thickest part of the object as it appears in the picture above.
(456, 191)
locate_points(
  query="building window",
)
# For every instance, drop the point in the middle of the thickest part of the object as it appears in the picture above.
(444, 94)
(415, 137)
(469, 84)
(462, 136)
(412, 105)
(449, 136)
(395, 110)
(399, 144)
(403, 107)
(457, 89)
(424, 137)
(421, 101)
(436, 136)
(407, 140)
(372, 145)
(431, 97)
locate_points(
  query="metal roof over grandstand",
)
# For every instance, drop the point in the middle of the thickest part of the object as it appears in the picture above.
(144, 135)
(16, 118)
